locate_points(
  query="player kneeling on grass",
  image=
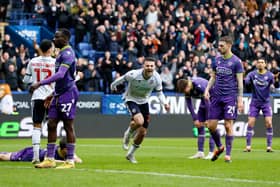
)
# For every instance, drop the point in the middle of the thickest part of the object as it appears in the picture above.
(194, 88)
(141, 83)
(261, 82)
(26, 154)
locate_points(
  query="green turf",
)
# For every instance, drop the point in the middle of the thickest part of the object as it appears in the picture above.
(162, 162)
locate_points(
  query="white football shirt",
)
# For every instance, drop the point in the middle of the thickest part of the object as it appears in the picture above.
(139, 89)
(40, 68)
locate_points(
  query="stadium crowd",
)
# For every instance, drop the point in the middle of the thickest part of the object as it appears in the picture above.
(182, 35)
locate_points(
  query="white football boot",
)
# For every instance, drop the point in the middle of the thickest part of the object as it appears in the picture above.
(198, 155)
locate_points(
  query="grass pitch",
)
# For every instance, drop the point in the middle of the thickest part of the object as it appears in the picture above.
(162, 162)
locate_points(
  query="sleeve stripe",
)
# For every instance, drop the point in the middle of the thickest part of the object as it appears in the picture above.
(65, 65)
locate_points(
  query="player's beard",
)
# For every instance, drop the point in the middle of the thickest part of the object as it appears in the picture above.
(148, 74)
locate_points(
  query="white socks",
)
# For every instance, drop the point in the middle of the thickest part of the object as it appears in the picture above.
(132, 149)
(36, 140)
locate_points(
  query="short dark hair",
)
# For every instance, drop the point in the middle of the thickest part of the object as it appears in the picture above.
(62, 143)
(45, 45)
(227, 39)
(66, 33)
(150, 59)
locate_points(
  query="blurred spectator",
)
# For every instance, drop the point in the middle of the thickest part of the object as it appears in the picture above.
(275, 69)
(120, 64)
(152, 15)
(22, 58)
(3, 59)
(114, 46)
(39, 8)
(138, 63)
(107, 70)
(81, 66)
(80, 26)
(12, 77)
(252, 6)
(91, 78)
(3, 9)
(102, 39)
(64, 19)
(200, 33)
(167, 79)
(8, 46)
(22, 86)
(131, 52)
(52, 14)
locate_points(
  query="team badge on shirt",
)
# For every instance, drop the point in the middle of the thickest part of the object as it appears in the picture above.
(266, 78)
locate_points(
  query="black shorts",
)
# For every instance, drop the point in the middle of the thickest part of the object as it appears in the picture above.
(135, 108)
(38, 111)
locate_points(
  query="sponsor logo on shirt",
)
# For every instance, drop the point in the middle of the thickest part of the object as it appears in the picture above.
(223, 71)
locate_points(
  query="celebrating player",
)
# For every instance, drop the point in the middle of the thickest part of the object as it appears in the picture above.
(141, 83)
(194, 88)
(261, 82)
(227, 77)
(39, 68)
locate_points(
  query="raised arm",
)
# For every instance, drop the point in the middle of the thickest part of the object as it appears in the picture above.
(117, 82)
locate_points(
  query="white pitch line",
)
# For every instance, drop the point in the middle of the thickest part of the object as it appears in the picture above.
(187, 176)
(157, 174)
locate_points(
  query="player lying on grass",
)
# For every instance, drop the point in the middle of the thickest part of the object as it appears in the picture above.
(26, 154)
(194, 88)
